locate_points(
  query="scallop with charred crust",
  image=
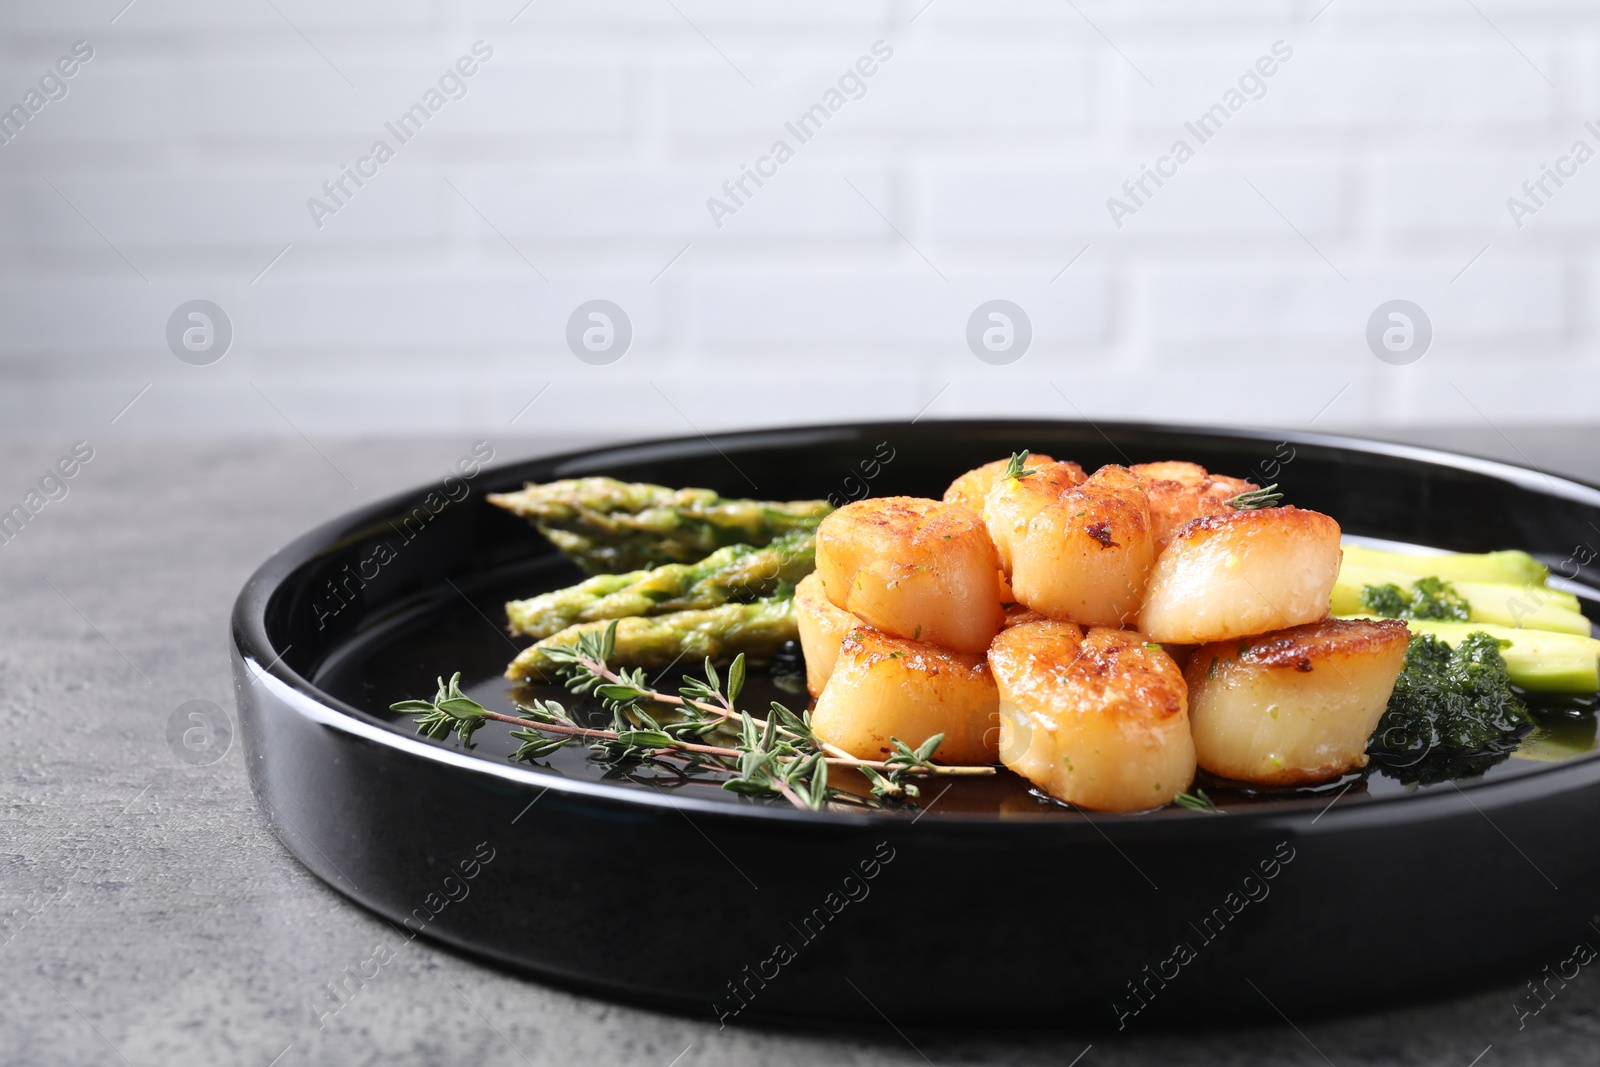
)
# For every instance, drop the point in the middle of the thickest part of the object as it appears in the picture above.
(822, 628)
(1246, 573)
(1012, 502)
(970, 489)
(886, 687)
(1181, 492)
(915, 568)
(1099, 719)
(1294, 706)
(1086, 557)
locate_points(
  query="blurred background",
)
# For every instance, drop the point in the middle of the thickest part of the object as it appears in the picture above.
(938, 155)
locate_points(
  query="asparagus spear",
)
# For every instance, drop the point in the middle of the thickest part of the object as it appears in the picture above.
(757, 629)
(607, 526)
(734, 573)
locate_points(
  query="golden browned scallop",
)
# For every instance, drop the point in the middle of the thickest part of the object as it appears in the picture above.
(1012, 502)
(1246, 573)
(1181, 492)
(970, 489)
(1294, 706)
(915, 568)
(822, 628)
(1086, 557)
(1099, 719)
(885, 687)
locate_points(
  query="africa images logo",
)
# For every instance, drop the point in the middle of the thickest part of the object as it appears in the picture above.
(52, 85)
(452, 85)
(852, 85)
(1252, 85)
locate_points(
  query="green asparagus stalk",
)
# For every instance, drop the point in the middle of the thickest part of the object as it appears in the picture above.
(609, 526)
(757, 629)
(735, 573)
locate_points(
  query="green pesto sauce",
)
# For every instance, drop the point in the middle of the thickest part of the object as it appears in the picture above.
(1428, 598)
(1451, 709)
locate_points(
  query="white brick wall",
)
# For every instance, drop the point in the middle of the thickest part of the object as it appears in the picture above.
(975, 165)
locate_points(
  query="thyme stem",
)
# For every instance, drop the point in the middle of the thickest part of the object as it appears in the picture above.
(604, 735)
(846, 760)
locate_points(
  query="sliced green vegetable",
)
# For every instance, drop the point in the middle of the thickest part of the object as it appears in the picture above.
(1527, 607)
(1509, 568)
(1533, 607)
(1540, 661)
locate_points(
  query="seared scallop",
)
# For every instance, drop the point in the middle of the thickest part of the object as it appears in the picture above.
(886, 687)
(970, 489)
(1181, 492)
(1246, 573)
(915, 568)
(1098, 719)
(822, 627)
(1086, 557)
(1293, 706)
(1012, 502)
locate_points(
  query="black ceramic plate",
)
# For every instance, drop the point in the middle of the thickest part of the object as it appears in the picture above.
(993, 907)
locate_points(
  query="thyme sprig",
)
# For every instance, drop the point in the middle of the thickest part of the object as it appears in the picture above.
(1258, 498)
(1197, 801)
(449, 712)
(775, 756)
(1018, 467)
(587, 672)
(452, 711)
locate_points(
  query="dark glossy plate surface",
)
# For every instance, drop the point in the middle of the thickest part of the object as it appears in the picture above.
(995, 907)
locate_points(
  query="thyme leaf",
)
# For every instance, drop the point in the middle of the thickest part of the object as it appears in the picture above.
(1196, 801)
(1258, 498)
(1017, 468)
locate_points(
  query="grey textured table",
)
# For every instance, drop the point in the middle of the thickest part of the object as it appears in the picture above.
(148, 915)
